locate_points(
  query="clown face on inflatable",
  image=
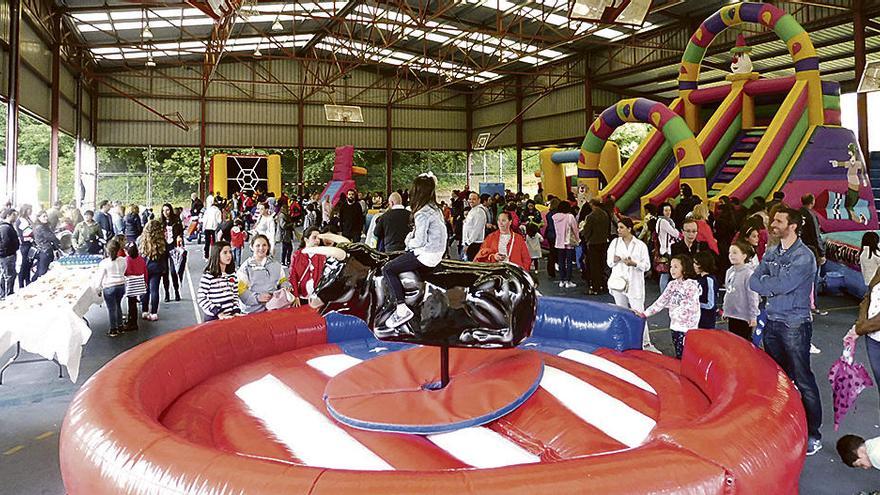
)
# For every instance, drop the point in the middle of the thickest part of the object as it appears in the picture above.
(459, 304)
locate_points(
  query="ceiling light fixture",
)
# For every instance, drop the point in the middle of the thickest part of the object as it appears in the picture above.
(257, 52)
(150, 61)
(147, 34)
(277, 26)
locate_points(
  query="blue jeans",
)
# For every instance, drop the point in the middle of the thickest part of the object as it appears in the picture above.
(790, 348)
(150, 300)
(113, 299)
(874, 357)
(565, 258)
(664, 281)
(7, 275)
(406, 262)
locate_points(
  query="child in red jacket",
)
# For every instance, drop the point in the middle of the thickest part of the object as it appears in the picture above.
(237, 237)
(306, 270)
(135, 264)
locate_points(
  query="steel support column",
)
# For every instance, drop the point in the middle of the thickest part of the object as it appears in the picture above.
(388, 149)
(519, 134)
(588, 101)
(12, 102)
(77, 150)
(300, 147)
(54, 117)
(861, 98)
(469, 131)
(203, 183)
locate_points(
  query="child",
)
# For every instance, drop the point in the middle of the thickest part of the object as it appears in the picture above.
(110, 282)
(682, 298)
(857, 452)
(305, 269)
(425, 245)
(740, 302)
(135, 265)
(704, 266)
(218, 288)
(533, 241)
(238, 237)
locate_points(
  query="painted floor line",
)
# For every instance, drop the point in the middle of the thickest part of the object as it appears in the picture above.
(192, 294)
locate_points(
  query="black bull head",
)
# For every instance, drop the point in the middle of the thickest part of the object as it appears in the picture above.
(459, 304)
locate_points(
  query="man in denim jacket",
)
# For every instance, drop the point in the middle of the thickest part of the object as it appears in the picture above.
(785, 276)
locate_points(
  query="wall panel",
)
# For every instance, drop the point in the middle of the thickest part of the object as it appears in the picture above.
(34, 94)
(67, 117)
(141, 133)
(34, 52)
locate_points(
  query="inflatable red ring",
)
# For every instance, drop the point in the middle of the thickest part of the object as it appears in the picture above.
(749, 437)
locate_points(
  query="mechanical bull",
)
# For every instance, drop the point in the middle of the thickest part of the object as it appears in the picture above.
(458, 304)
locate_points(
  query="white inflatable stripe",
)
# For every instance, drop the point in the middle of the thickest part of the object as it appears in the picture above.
(610, 367)
(333, 364)
(482, 448)
(305, 431)
(611, 415)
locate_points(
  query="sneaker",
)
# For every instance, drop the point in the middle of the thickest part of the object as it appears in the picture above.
(154, 317)
(814, 349)
(113, 332)
(145, 316)
(813, 446)
(177, 297)
(561, 284)
(570, 285)
(400, 316)
(820, 312)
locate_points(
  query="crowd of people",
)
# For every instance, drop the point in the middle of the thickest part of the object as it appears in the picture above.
(765, 259)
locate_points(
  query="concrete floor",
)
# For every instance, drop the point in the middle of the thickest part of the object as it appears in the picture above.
(33, 400)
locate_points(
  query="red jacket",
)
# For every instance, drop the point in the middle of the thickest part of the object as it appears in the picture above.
(517, 250)
(704, 233)
(136, 266)
(304, 268)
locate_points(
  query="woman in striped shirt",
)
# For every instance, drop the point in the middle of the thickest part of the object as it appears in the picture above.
(218, 289)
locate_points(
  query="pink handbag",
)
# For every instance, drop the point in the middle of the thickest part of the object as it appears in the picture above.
(281, 299)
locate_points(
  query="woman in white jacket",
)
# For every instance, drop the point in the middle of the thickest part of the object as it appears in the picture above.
(628, 259)
(266, 225)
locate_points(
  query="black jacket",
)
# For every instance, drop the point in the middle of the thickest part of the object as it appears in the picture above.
(44, 238)
(679, 247)
(351, 219)
(392, 228)
(810, 232)
(9, 242)
(132, 226)
(106, 224)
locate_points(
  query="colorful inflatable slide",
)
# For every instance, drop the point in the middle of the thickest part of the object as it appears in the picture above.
(753, 135)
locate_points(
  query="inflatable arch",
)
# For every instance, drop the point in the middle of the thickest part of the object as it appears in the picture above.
(553, 161)
(803, 53)
(689, 159)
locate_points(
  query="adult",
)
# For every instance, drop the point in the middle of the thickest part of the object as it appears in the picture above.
(704, 230)
(102, 218)
(868, 323)
(218, 289)
(46, 243)
(531, 215)
(351, 216)
(595, 236)
(869, 259)
(565, 226)
(685, 205)
(811, 235)
(393, 225)
(266, 225)
(785, 277)
(132, 227)
(152, 248)
(87, 235)
(9, 244)
(109, 280)
(505, 245)
(211, 218)
(628, 259)
(172, 228)
(688, 244)
(54, 214)
(25, 227)
(260, 276)
(117, 217)
(550, 236)
(474, 227)
(195, 205)
(667, 236)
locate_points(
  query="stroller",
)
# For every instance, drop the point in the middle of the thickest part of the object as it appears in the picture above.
(194, 230)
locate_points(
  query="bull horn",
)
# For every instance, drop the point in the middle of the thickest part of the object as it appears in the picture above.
(328, 251)
(334, 238)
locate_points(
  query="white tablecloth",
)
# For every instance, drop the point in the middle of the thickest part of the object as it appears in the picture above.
(46, 317)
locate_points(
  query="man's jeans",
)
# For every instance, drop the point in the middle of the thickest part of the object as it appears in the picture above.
(790, 348)
(7, 276)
